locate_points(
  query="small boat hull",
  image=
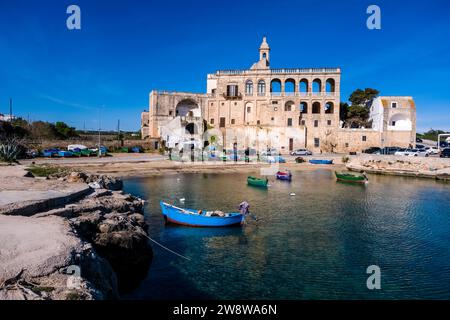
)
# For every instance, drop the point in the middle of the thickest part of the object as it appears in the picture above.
(350, 177)
(191, 218)
(315, 161)
(257, 182)
(285, 176)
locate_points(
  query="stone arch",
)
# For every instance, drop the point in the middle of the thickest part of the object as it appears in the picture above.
(330, 85)
(317, 86)
(289, 87)
(316, 107)
(275, 87)
(187, 107)
(329, 107)
(303, 86)
(289, 106)
(400, 121)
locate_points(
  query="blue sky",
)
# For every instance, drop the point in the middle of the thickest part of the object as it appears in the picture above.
(127, 48)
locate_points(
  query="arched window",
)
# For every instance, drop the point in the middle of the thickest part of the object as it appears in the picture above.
(289, 87)
(303, 86)
(330, 86)
(264, 55)
(303, 107)
(261, 88)
(275, 87)
(288, 106)
(249, 87)
(329, 107)
(316, 107)
(317, 86)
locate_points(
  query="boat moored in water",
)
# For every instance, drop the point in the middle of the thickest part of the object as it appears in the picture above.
(257, 182)
(199, 218)
(320, 161)
(284, 175)
(351, 177)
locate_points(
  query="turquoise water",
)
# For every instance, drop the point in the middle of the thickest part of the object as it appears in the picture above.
(315, 245)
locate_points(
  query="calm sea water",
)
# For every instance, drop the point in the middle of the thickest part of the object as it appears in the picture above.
(315, 245)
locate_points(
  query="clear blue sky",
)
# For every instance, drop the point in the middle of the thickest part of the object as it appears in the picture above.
(127, 48)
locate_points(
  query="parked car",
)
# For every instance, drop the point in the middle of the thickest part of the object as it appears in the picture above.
(420, 146)
(400, 152)
(301, 152)
(411, 153)
(388, 150)
(443, 144)
(445, 153)
(419, 140)
(432, 150)
(371, 150)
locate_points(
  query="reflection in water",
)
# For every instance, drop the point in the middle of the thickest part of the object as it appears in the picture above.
(315, 245)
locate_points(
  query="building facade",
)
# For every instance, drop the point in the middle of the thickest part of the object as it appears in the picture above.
(264, 107)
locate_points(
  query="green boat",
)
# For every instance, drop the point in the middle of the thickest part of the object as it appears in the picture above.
(351, 177)
(257, 182)
(86, 152)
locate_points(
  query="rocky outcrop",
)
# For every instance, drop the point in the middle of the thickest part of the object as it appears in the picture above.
(103, 235)
(42, 258)
(426, 167)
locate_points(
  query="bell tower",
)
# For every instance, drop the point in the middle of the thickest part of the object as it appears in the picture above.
(264, 51)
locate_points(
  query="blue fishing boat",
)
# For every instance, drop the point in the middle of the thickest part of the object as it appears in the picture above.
(199, 218)
(286, 176)
(63, 153)
(316, 161)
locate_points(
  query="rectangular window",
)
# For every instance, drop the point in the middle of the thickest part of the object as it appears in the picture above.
(393, 123)
(316, 142)
(303, 122)
(232, 90)
(222, 123)
(289, 122)
(364, 138)
(232, 121)
(394, 104)
(316, 123)
(272, 118)
(249, 109)
(329, 122)
(274, 102)
(212, 121)
(170, 113)
(258, 122)
(346, 144)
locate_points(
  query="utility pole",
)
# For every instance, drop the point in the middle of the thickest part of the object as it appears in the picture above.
(99, 136)
(10, 109)
(118, 131)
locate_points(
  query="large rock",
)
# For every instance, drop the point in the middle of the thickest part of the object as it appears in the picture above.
(39, 257)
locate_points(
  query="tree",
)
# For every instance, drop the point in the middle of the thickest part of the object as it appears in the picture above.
(64, 131)
(357, 115)
(362, 97)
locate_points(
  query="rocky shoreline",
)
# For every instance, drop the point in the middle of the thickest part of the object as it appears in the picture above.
(421, 167)
(93, 247)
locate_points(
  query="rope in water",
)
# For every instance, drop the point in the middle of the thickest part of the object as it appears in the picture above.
(171, 251)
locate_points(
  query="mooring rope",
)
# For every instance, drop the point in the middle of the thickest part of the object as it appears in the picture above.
(171, 251)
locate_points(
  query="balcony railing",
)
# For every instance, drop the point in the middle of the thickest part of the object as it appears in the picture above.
(232, 97)
(296, 94)
(279, 71)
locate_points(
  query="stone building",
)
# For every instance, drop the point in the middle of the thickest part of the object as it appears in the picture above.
(265, 107)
